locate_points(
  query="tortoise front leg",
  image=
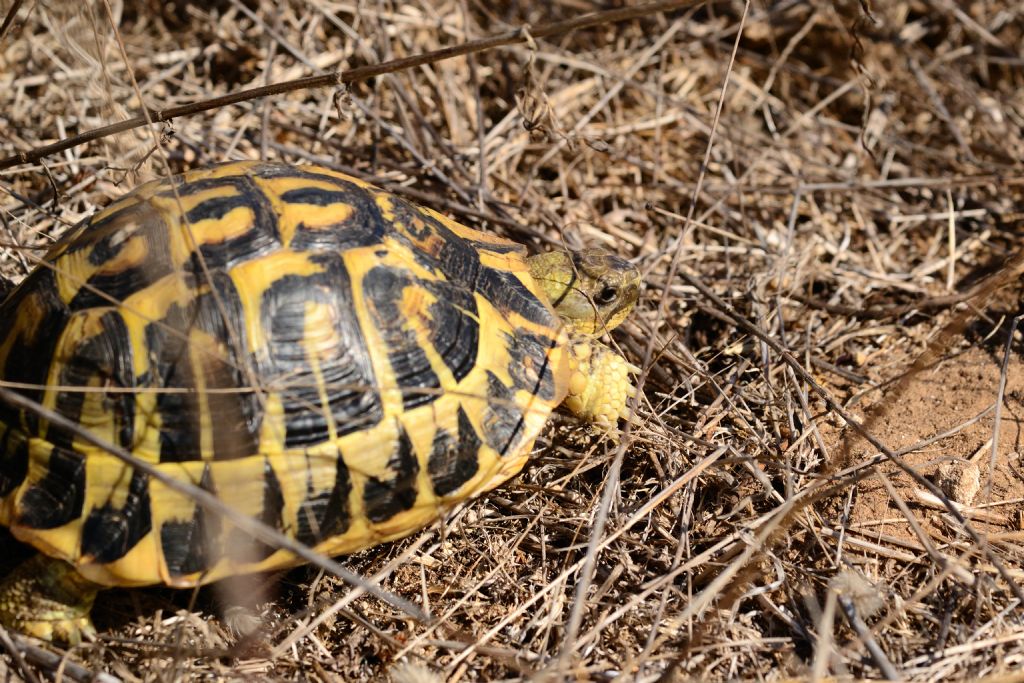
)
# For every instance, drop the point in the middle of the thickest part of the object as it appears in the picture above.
(599, 383)
(48, 599)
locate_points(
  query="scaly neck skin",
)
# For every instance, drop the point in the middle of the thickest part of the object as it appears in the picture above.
(555, 274)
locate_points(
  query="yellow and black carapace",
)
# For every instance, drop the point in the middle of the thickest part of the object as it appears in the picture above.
(318, 353)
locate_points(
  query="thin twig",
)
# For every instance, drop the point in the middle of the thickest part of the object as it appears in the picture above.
(9, 18)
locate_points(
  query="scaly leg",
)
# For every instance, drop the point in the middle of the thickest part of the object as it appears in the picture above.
(599, 384)
(48, 599)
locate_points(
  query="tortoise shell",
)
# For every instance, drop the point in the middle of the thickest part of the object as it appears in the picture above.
(318, 353)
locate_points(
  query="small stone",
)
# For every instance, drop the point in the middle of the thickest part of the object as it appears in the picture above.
(960, 480)
(242, 621)
(866, 596)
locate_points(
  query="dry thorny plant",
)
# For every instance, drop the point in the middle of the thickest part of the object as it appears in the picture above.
(825, 475)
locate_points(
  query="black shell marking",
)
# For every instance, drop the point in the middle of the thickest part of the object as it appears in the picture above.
(454, 330)
(13, 460)
(236, 415)
(503, 420)
(325, 514)
(529, 365)
(240, 542)
(191, 546)
(103, 360)
(460, 263)
(273, 498)
(57, 498)
(171, 368)
(384, 498)
(384, 288)
(108, 532)
(32, 319)
(360, 222)
(459, 260)
(454, 457)
(344, 359)
(261, 238)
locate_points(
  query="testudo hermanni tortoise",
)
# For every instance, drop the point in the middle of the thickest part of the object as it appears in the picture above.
(316, 352)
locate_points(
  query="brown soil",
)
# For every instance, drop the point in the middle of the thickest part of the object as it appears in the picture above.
(947, 400)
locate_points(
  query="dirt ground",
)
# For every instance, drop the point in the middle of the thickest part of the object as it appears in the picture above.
(823, 478)
(955, 399)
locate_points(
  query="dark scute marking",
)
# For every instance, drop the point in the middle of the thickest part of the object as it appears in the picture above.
(316, 196)
(455, 257)
(191, 546)
(385, 498)
(459, 261)
(109, 289)
(346, 367)
(272, 170)
(13, 460)
(107, 238)
(216, 208)
(177, 187)
(284, 307)
(529, 365)
(273, 498)
(29, 355)
(363, 228)
(109, 533)
(222, 305)
(177, 540)
(383, 287)
(325, 514)
(503, 420)
(418, 224)
(349, 192)
(57, 498)
(239, 541)
(261, 238)
(454, 460)
(425, 237)
(236, 416)
(103, 360)
(171, 368)
(510, 295)
(454, 331)
(496, 248)
(103, 236)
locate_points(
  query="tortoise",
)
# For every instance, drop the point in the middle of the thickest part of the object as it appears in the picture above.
(318, 353)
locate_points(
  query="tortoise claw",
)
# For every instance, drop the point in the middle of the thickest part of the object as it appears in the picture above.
(69, 631)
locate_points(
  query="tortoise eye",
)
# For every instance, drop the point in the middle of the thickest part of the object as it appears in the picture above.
(607, 295)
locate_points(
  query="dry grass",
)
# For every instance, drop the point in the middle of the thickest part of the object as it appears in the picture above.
(830, 177)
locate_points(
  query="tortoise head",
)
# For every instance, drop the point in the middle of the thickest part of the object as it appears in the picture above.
(592, 290)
